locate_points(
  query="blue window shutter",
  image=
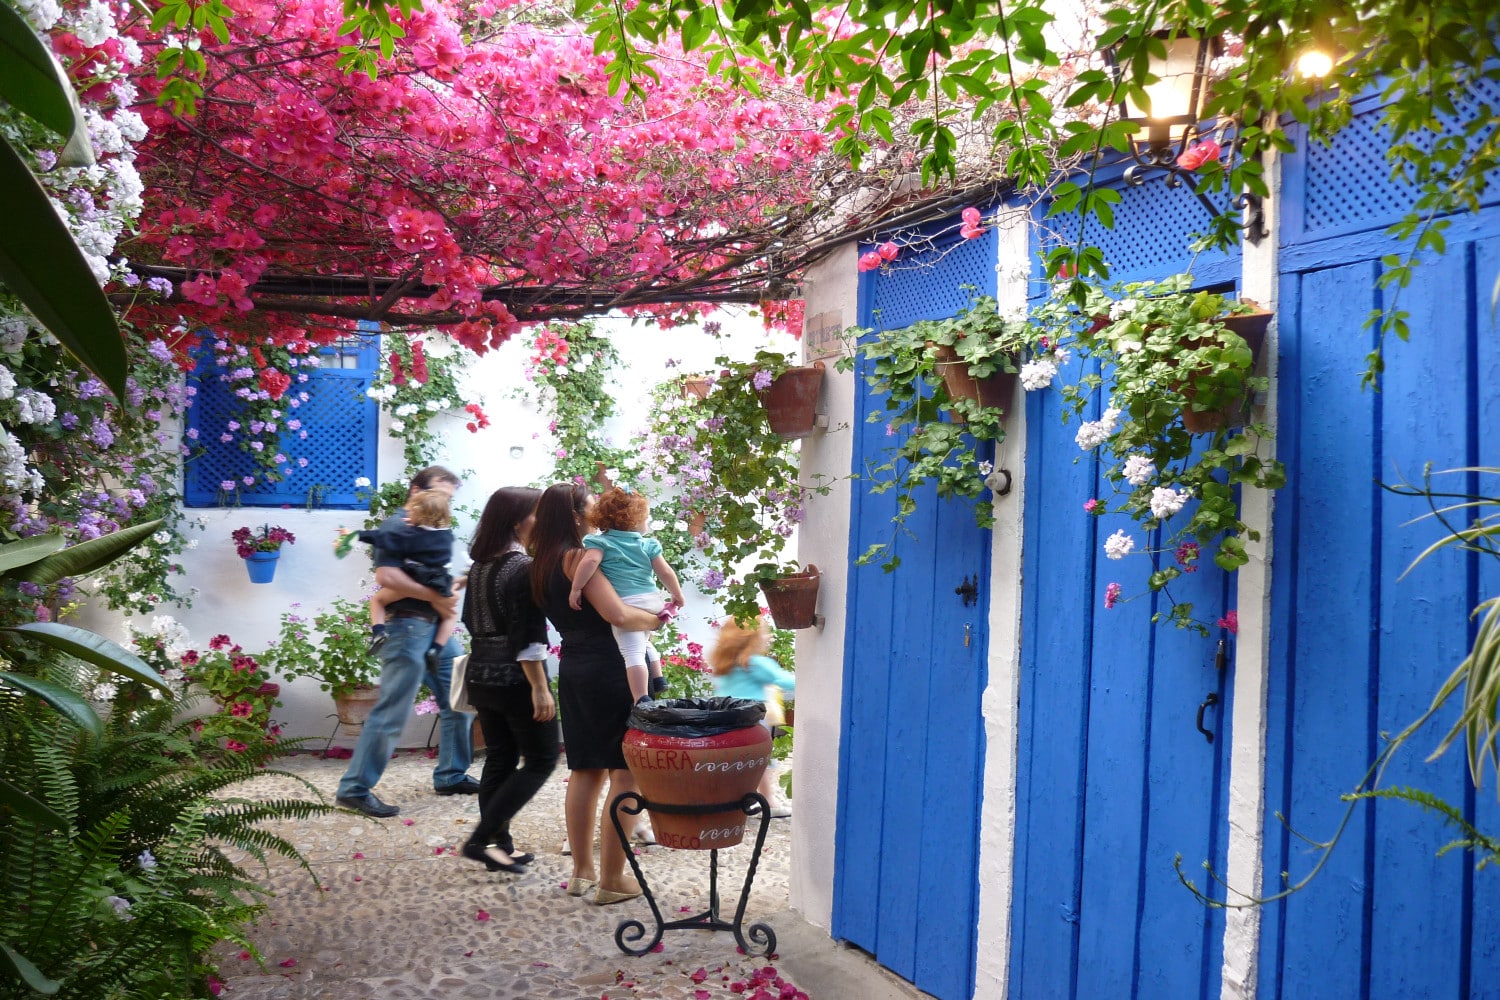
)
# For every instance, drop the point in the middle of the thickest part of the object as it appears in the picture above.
(342, 425)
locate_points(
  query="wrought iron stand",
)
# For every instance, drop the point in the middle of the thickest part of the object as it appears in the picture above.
(757, 939)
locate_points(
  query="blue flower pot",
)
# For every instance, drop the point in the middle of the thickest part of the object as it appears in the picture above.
(262, 566)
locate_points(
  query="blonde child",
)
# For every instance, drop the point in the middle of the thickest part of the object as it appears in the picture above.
(425, 545)
(633, 565)
(742, 669)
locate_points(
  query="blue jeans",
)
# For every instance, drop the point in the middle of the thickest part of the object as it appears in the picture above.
(402, 672)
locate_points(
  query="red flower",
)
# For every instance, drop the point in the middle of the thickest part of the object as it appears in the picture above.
(1230, 622)
(274, 382)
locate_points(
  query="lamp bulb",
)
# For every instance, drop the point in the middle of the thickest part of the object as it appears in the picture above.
(1315, 64)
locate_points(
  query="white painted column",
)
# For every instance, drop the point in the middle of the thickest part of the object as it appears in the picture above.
(1001, 700)
(1247, 759)
(831, 293)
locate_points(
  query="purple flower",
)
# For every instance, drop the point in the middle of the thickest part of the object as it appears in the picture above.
(69, 421)
(29, 589)
(248, 480)
(301, 463)
(192, 433)
(761, 380)
(156, 348)
(160, 285)
(227, 486)
(100, 434)
(713, 580)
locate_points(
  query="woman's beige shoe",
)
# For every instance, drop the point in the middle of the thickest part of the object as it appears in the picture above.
(604, 897)
(580, 886)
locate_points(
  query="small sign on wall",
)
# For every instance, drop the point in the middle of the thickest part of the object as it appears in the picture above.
(822, 335)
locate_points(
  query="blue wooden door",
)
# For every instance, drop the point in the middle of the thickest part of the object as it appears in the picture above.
(912, 748)
(1115, 780)
(1360, 649)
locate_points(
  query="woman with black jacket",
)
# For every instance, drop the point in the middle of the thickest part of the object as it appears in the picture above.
(507, 676)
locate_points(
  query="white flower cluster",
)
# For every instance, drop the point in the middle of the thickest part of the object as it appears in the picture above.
(33, 407)
(1166, 501)
(1119, 545)
(1093, 433)
(15, 475)
(381, 393)
(1138, 470)
(1038, 374)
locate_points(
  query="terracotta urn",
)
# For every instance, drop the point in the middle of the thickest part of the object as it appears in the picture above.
(705, 770)
(355, 707)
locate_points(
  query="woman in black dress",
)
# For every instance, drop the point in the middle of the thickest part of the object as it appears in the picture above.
(592, 688)
(507, 676)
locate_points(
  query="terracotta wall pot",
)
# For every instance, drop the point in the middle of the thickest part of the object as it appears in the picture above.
(793, 600)
(791, 401)
(355, 707)
(994, 392)
(702, 771)
(696, 387)
(1252, 327)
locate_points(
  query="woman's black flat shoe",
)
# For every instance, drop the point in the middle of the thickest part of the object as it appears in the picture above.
(480, 853)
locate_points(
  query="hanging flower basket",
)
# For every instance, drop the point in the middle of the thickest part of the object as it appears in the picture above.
(791, 401)
(262, 566)
(793, 599)
(1252, 327)
(993, 392)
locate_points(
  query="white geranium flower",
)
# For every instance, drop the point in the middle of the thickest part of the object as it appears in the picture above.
(1093, 433)
(1038, 374)
(1166, 501)
(1118, 545)
(1138, 470)
(104, 692)
(363, 482)
(985, 468)
(161, 537)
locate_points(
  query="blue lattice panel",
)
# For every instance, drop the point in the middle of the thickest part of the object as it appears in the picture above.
(1154, 226)
(928, 280)
(342, 425)
(1347, 185)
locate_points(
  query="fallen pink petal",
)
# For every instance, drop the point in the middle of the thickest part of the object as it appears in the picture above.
(700, 975)
(287, 963)
(358, 856)
(482, 916)
(659, 947)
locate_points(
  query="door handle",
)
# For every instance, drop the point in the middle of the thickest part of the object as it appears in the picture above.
(1212, 699)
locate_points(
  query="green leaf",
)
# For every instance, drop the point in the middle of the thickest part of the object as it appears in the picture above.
(17, 801)
(93, 648)
(68, 703)
(28, 550)
(26, 972)
(87, 557)
(42, 265)
(33, 82)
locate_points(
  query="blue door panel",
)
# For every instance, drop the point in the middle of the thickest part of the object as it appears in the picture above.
(912, 745)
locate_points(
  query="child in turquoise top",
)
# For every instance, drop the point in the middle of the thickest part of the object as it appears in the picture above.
(633, 564)
(743, 670)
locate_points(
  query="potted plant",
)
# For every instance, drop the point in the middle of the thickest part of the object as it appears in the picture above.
(731, 482)
(331, 647)
(237, 684)
(1172, 378)
(947, 386)
(260, 548)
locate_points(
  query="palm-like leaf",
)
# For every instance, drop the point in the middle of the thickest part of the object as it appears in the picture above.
(86, 557)
(94, 648)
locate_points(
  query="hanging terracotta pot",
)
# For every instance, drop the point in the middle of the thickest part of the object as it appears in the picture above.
(793, 599)
(354, 708)
(791, 401)
(697, 524)
(696, 387)
(705, 770)
(994, 392)
(1252, 327)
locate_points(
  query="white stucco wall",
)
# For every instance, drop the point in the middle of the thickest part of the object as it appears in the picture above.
(1247, 759)
(511, 451)
(1000, 703)
(831, 293)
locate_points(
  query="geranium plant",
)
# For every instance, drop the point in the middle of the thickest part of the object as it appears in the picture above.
(266, 538)
(735, 481)
(234, 680)
(570, 374)
(940, 438)
(1163, 356)
(331, 647)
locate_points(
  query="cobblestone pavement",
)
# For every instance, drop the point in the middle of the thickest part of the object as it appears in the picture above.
(401, 915)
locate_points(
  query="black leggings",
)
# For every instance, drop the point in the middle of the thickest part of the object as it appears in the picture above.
(507, 784)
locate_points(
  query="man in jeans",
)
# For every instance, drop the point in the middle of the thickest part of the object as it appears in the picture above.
(411, 624)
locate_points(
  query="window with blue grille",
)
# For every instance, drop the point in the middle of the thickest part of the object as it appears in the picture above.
(341, 421)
